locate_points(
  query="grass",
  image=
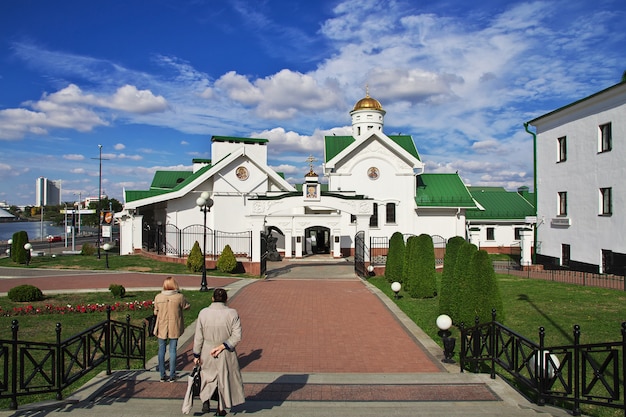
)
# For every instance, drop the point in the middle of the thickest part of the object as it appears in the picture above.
(531, 304)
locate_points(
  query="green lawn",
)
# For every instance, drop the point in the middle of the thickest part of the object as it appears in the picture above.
(531, 304)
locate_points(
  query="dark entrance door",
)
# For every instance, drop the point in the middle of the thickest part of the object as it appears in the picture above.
(319, 238)
(360, 254)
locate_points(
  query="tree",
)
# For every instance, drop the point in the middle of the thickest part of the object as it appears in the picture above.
(485, 286)
(425, 283)
(461, 283)
(226, 262)
(447, 290)
(18, 253)
(395, 258)
(195, 259)
(409, 271)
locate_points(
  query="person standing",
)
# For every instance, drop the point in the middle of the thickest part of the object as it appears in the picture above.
(218, 331)
(170, 325)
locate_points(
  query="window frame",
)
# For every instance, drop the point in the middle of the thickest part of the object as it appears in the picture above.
(490, 231)
(606, 201)
(390, 213)
(562, 149)
(605, 137)
(562, 204)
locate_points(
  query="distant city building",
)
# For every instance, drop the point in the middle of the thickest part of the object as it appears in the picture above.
(47, 192)
(581, 193)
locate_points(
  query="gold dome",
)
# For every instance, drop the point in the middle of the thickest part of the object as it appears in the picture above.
(367, 103)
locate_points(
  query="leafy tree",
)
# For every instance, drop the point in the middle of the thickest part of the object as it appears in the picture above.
(226, 262)
(461, 283)
(195, 259)
(485, 292)
(425, 282)
(447, 290)
(395, 258)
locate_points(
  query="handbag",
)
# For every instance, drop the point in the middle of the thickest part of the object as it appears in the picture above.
(151, 322)
(197, 381)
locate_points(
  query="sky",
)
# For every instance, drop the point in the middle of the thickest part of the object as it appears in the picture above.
(151, 81)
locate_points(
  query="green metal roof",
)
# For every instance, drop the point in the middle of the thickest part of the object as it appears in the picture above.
(442, 190)
(238, 140)
(164, 178)
(333, 145)
(169, 179)
(499, 204)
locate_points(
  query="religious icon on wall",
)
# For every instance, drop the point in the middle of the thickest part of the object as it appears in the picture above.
(242, 173)
(373, 173)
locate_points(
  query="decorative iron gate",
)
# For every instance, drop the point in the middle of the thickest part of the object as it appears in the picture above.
(263, 254)
(360, 254)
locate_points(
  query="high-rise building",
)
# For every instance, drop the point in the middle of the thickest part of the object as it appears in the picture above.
(47, 192)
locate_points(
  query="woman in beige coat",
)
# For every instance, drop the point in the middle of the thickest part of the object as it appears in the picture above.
(168, 307)
(218, 331)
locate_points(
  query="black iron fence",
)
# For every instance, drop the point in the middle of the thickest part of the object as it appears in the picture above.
(568, 375)
(29, 368)
(589, 279)
(168, 239)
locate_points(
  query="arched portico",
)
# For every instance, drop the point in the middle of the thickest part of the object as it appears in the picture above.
(294, 215)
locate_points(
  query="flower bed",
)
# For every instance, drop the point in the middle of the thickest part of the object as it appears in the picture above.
(79, 308)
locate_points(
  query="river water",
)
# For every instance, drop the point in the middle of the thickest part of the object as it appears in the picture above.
(34, 230)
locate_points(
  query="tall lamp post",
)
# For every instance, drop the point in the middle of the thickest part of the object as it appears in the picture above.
(99, 198)
(205, 203)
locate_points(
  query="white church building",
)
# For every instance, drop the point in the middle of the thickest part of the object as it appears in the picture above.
(374, 185)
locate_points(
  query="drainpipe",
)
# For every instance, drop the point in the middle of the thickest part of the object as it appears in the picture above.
(534, 135)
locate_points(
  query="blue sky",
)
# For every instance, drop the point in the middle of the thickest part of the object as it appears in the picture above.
(152, 81)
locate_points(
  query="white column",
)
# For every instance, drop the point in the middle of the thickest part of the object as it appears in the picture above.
(526, 244)
(336, 243)
(300, 244)
(288, 244)
(258, 225)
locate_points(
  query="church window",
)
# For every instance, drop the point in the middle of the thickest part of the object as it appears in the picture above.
(374, 217)
(562, 142)
(391, 213)
(562, 203)
(491, 233)
(605, 137)
(606, 203)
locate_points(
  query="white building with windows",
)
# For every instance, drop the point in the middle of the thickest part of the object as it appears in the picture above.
(580, 167)
(376, 185)
(47, 192)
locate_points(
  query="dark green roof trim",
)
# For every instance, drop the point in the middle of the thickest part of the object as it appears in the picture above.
(533, 121)
(299, 194)
(334, 145)
(200, 161)
(499, 204)
(442, 190)
(238, 140)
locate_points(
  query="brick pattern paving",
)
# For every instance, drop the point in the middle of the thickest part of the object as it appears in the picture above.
(323, 326)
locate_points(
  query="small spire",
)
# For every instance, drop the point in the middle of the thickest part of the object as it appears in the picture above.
(367, 90)
(310, 160)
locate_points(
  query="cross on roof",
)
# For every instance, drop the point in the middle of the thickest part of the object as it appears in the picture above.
(310, 160)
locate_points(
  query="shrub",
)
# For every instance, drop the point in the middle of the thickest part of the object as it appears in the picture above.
(88, 250)
(485, 292)
(409, 271)
(117, 290)
(227, 262)
(195, 259)
(447, 290)
(25, 292)
(461, 311)
(395, 258)
(425, 282)
(18, 253)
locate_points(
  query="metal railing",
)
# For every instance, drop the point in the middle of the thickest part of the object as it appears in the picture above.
(568, 375)
(29, 368)
(588, 279)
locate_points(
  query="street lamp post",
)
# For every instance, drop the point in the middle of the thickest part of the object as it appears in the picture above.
(9, 245)
(107, 248)
(99, 198)
(205, 203)
(28, 247)
(444, 322)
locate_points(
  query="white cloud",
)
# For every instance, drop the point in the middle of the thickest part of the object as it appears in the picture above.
(74, 157)
(119, 146)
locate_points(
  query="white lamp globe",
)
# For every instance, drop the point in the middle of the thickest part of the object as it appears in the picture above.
(205, 195)
(444, 322)
(10, 241)
(200, 201)
(28, 246)
(106, 247)
(395, 287)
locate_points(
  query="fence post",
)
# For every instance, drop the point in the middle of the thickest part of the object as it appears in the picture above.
(14, 329)
(127, 348)
(60, 366)
(492, 344)
(107, 339)
(576, 411)
(539, 371)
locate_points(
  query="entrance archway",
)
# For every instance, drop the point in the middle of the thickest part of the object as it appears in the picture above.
(317, 240)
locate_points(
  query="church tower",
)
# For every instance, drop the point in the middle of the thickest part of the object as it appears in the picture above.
(367, 116)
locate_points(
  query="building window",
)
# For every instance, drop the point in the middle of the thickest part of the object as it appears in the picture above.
(491, 233)
(565, 254)
(562, 203)
(391, 213)
(518, 233)
(374, 217)
(606, 203)
(562, 141)
(352, 218)
(605, 141)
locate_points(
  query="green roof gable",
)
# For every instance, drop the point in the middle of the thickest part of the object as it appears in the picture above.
(163, 183)
(169, 179)
(333, 145)
(499, 204)
(237, 140)
(442, 190)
